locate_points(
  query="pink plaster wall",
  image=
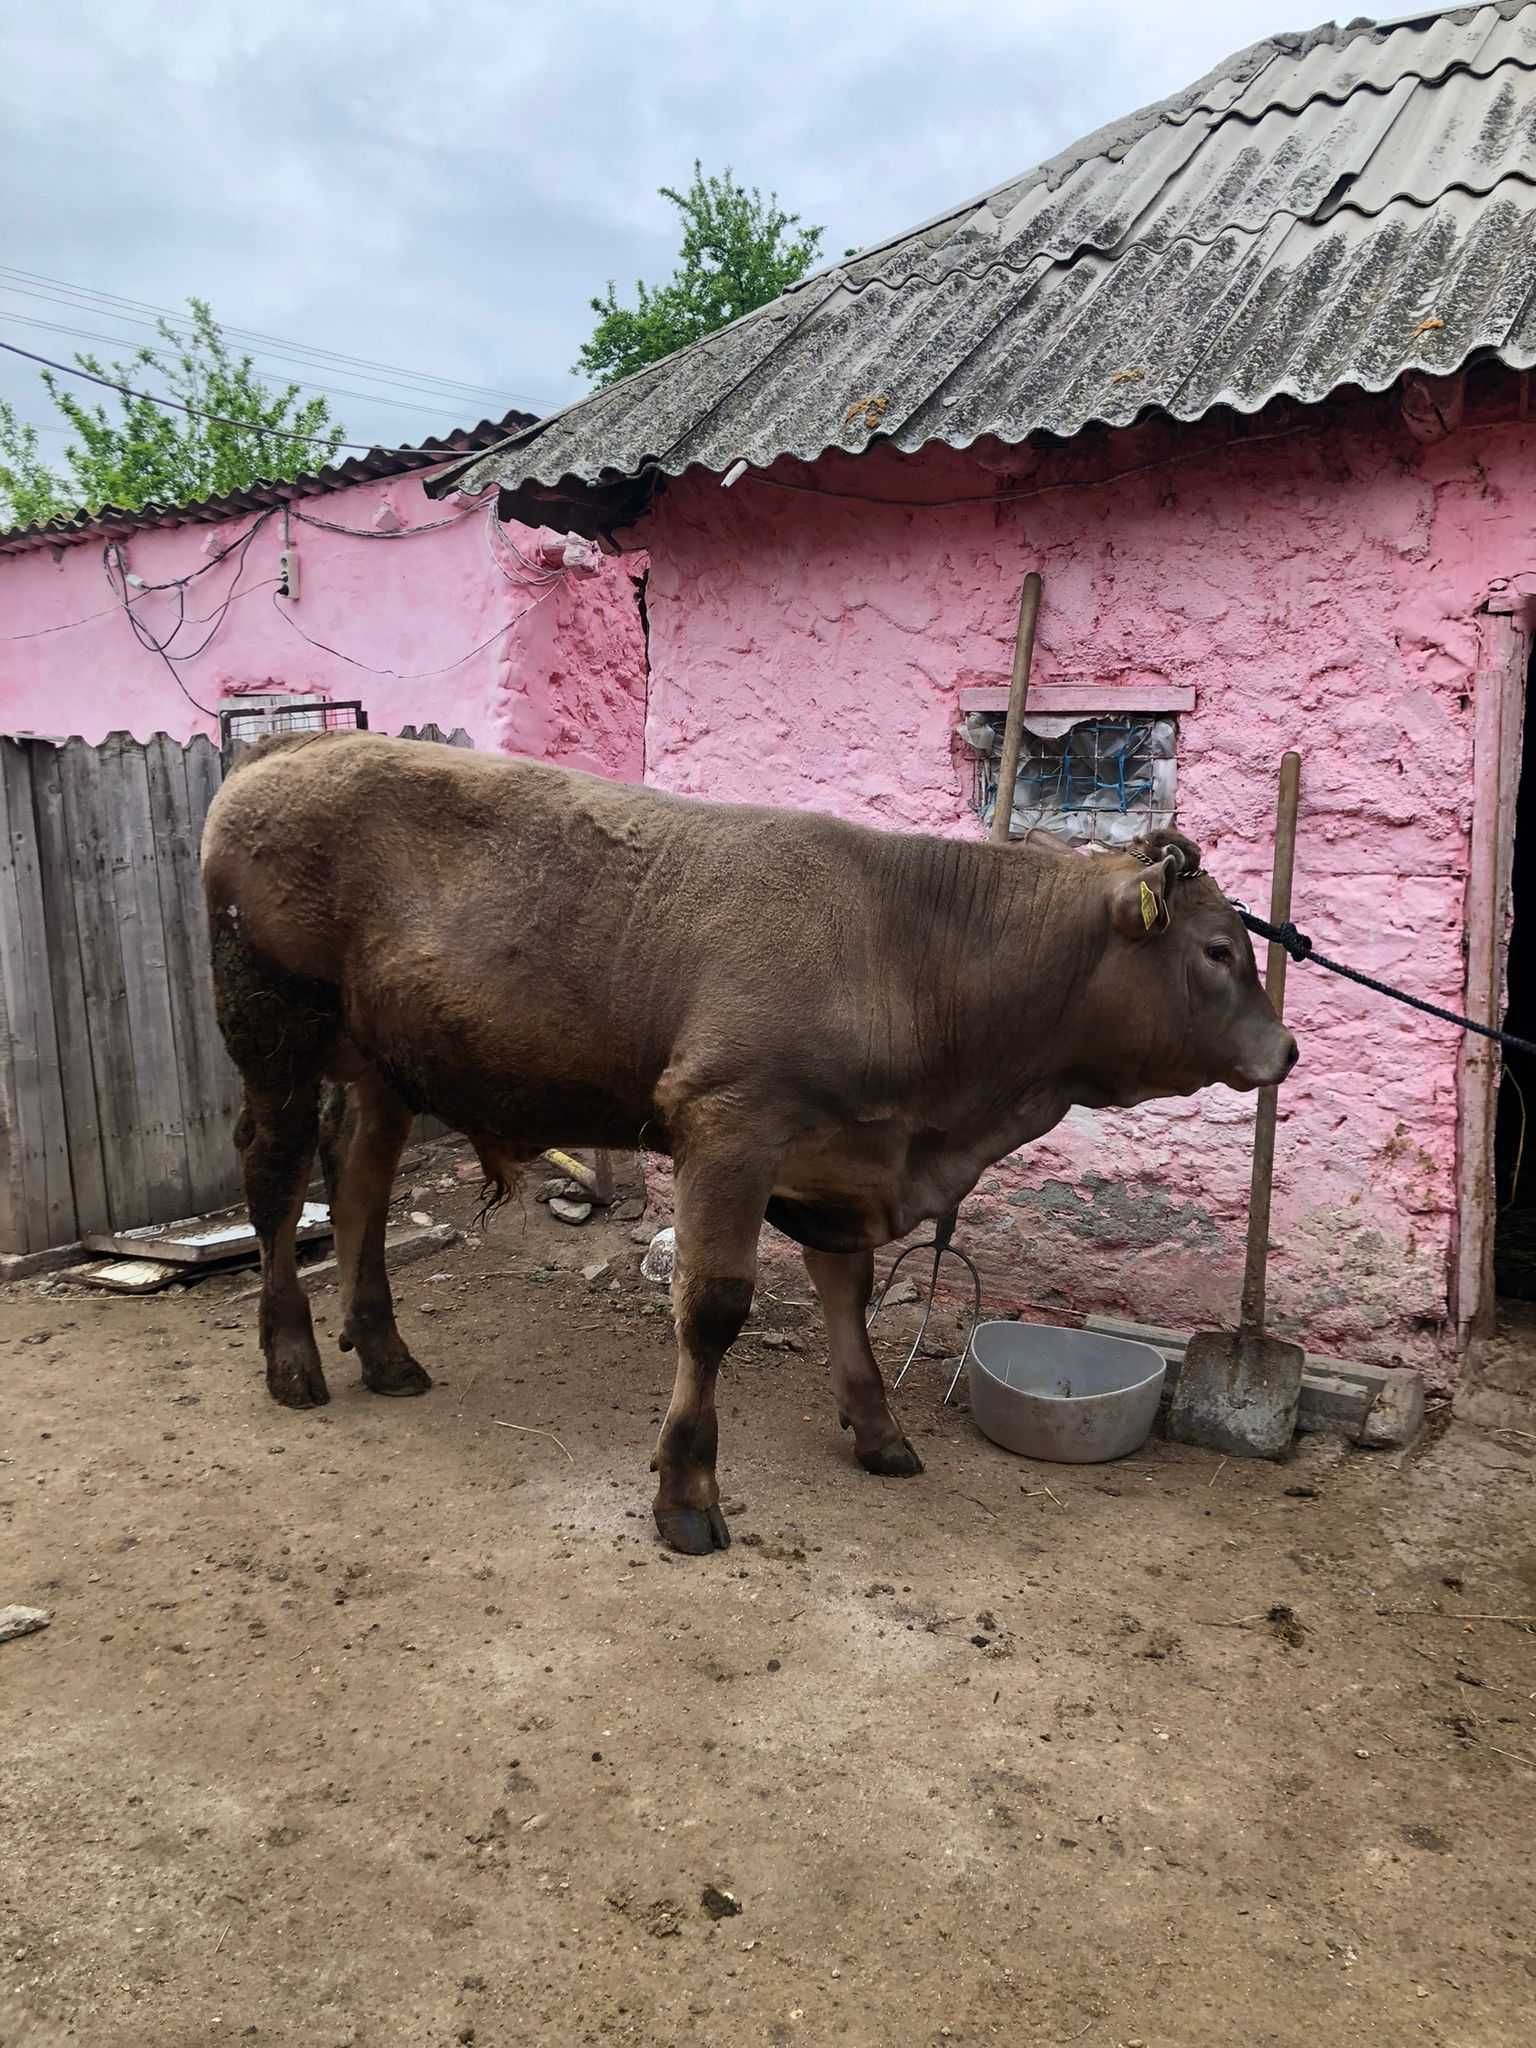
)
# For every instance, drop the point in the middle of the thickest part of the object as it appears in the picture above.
(565, 682)
(1318, 593)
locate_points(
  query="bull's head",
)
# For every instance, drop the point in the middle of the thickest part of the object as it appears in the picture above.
(1182, 973)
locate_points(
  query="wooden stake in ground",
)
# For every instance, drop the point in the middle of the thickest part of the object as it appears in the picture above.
(1002, 832)
(1018, 697)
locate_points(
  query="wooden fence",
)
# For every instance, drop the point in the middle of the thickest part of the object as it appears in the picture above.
(117, 1099)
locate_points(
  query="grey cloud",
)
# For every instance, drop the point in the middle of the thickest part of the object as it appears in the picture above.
(446, 187)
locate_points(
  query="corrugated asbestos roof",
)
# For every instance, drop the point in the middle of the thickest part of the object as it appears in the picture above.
(377, 464)
(1322, 210)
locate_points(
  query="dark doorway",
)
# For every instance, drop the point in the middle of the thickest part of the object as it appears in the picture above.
(1514, 1241)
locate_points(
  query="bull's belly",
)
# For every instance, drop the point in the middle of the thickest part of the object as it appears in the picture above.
(865, 1192)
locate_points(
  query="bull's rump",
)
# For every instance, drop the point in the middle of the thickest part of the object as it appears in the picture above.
(525, 950)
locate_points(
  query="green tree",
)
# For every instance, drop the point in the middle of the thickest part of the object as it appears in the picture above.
(739, 251)
(29, 490)
(130, 451)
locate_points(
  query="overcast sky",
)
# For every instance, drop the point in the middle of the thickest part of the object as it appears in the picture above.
(442, 187)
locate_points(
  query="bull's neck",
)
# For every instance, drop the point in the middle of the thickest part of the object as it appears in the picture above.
(998, 940)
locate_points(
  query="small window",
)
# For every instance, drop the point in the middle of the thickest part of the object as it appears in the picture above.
(253, 717)
(1101, 780)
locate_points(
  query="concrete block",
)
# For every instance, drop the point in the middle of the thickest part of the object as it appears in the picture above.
(1339, 1396)
(22, 1265)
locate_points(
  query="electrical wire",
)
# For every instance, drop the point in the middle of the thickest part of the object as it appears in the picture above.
(220, 419)
(298, 351)
(422, 675)
(497, 540)
(1507, 1074)
(269, 377)
(68, 626)
(385, 533)
(1095, 483)
(307, 519)
(145, 589)
(116, 571)
(220, 555)
(147, 640)
(112, 559)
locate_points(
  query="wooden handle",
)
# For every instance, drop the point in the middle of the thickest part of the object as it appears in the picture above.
(1262, 1185)
(1018, 695)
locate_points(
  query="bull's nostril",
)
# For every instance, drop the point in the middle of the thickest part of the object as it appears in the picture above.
(1293, 1054)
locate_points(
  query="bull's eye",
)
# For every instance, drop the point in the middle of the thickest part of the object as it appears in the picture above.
(1219, 953)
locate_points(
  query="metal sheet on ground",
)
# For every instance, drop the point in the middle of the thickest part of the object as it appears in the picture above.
(204, 1240)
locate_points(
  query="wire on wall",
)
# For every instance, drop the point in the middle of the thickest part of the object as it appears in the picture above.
(117, 575)
(420, 675)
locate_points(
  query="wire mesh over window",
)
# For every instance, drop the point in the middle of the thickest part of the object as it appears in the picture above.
(1106, 780)
(254, 717)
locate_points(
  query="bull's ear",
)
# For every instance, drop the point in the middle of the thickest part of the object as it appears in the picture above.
(1139, 906)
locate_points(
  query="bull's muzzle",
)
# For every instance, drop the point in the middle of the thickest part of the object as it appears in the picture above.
(1274, 1067)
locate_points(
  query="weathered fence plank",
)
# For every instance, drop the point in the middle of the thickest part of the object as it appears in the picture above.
(205, 772)
(19, 1081)
(203, 779)
(151, 1030)
(71, 1020)
(12, 1236)
(106, 992)
(117, 1098)
(206, 1076)
(46, 1198)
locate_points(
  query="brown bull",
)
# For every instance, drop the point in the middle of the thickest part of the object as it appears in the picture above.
(834, 1028)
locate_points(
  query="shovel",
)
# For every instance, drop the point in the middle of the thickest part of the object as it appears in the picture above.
(1237, 1390)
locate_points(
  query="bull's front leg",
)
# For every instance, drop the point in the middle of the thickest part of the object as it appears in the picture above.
(721, 1190)
(844, 1281)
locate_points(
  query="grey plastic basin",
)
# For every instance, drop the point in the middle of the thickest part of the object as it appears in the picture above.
(1069, 1396)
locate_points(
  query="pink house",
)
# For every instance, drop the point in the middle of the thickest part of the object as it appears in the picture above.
(1245, 377)
(341, 588)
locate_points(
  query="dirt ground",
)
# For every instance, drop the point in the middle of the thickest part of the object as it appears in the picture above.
(383, 1726)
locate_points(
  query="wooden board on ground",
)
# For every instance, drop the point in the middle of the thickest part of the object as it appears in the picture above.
(128, 1276)
(403, 1246)
(203, 1240)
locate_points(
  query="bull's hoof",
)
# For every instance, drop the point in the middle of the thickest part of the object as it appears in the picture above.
(387, 1365)
(397, 1377)
(693, 1531)
(892, 1461)
(402, 1383)
(297, 1382)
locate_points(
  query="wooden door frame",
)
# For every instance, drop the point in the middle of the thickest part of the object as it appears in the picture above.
(1499, 685)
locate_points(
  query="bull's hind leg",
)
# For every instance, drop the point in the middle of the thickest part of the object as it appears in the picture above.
(721, 1192)
(844, 1282)
(361, 1144)
(280, 1031)
(276, 1138)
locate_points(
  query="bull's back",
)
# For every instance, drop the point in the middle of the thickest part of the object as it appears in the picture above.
(331, 846)
(507, 908)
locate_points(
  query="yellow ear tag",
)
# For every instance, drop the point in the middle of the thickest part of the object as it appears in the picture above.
(1148, 906)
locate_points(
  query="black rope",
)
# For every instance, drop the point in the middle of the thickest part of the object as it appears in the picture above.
(1300, 947)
